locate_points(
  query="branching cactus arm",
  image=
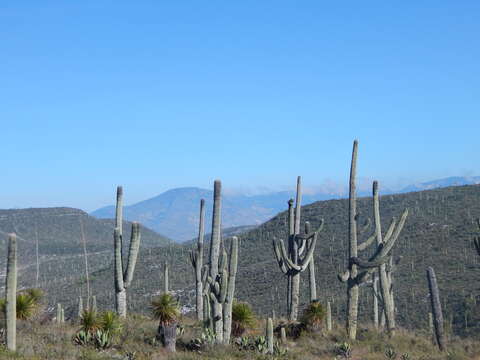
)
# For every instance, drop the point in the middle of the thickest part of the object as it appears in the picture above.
(132, 253)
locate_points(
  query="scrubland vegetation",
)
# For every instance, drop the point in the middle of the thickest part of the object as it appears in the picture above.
(370, 323)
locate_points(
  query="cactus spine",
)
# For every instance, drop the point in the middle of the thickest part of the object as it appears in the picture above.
(165, 278)
(196, 258)
(269, 335)
(11, 294)
(352, 276)
(436, 309)
(123, 278)
(301, 248)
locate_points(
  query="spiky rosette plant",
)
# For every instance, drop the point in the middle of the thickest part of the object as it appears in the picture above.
(314, 315)
(35, 294)
(110, 322)
(166, 310)
(27, 305)
(90, 322)
(243, 318)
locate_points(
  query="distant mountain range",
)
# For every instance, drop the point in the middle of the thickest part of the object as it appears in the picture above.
(174, 213)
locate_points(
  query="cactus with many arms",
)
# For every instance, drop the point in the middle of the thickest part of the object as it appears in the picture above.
(300, 253)
(219, 281)
(10, 294)
(353, 277)
(196, 258)
(123, 277)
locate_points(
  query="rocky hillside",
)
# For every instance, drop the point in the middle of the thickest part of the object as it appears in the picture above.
(438, 233)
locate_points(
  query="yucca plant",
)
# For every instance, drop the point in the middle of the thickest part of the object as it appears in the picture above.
(314, 315)
(165, 308)
(26, 306)
(35, 294)
(243, 317)
(110, 322)
(90, 322)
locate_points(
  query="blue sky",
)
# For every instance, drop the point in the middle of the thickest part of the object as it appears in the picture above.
(155, 95)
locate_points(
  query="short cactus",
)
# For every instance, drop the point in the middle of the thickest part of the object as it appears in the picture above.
(269, 335)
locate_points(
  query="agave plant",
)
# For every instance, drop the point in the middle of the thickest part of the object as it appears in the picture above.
(165, 308)
(242, 318)
(314, 315)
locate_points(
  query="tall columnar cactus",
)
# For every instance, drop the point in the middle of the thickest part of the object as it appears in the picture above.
(165, 278)
(215, 305)
(219, 283)
(269, 335)
(228, 303)
(436, 309)
(300, 253)
(353, 277)
(476, 239)
(11, 294)
(196, 258)
(123, 278)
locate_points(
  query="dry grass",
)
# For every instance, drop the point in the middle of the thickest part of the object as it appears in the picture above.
(54, 342)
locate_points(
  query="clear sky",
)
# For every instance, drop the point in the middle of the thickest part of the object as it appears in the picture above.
(160, 94)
